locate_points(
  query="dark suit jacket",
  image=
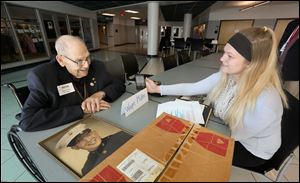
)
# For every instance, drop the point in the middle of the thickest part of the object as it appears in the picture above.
(290, 67)
(109, 145)
(45, 109)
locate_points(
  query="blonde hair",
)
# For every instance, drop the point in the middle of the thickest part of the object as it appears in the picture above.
(261, 73)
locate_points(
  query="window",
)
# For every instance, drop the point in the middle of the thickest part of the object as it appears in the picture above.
(28, 31)
(9, 49)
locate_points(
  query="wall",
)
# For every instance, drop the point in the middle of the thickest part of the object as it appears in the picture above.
(263, 15)
(124, 31)
(60, 7)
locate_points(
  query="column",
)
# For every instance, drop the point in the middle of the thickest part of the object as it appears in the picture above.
(153, 9)
(187, 25)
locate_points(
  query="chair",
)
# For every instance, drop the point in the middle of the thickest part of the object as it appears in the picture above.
(179, 43)
(116, 68)
(183, 57)
(188, 42)
(20, 94)
(21, 152)
(289, 141)
(165, 46)
(169, 62)
(131, 67)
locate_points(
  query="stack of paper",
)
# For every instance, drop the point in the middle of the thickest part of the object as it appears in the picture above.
(188, 110)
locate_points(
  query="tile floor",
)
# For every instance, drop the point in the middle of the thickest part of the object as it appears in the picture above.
(13, 171)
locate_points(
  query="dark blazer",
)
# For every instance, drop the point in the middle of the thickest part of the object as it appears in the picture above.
(290, 67)
(108, 145)
(45, 109)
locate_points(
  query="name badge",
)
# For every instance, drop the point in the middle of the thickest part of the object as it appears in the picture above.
(134, 102)
(65, 89)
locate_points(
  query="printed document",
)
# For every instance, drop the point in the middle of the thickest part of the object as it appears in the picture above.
(188, 110)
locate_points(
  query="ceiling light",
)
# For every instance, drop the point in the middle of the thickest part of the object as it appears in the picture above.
(109, 14)
(256, 5)
(135, 18)
(131, 11)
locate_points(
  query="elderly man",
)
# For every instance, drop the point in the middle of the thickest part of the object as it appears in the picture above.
(81, 137)
(68, 87)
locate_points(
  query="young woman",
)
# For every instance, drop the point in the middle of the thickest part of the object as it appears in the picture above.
(246, 94)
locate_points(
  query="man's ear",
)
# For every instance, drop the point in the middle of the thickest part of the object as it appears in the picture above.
(60, 60)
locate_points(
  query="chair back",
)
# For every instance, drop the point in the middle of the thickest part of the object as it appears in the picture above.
(116, 68)
(21, 94)
(179, 43)
(130, 64)
(169, 62)
(188, 42)
(183, 57)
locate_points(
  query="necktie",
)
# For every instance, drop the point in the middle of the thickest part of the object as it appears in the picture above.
(292, 39)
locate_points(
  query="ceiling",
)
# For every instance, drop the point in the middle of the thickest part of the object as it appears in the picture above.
(171, 10)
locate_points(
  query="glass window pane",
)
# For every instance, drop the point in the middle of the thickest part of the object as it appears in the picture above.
(28, 31)
(48, 25)
(87, 32)
(62, 25)
(9, 49)
(75, 26)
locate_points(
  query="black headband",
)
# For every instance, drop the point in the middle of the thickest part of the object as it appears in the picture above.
(242, 45)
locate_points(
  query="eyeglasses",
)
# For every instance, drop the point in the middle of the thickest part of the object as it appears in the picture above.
(80, 62)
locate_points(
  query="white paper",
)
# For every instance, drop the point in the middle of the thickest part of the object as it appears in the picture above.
(139, 167)
(188, 110)
(134, 102)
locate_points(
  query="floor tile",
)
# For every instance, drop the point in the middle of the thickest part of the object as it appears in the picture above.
(6, 155)
(292, 173)
(26, 177)
(11, 169)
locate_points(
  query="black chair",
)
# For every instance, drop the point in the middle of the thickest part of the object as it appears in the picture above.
(20, 94)
(289, 141)
(131, 67)
(116, 68)
(183, 57)
(188, 42)
(165, 46)
(179, 43)
(169, 62)
(21, 153)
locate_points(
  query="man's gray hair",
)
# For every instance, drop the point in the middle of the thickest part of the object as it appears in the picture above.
(63, 42)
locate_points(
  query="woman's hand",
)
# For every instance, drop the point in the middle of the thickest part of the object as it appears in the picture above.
(151, 86)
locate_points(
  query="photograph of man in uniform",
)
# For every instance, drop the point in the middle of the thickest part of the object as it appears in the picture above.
(84, 138)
